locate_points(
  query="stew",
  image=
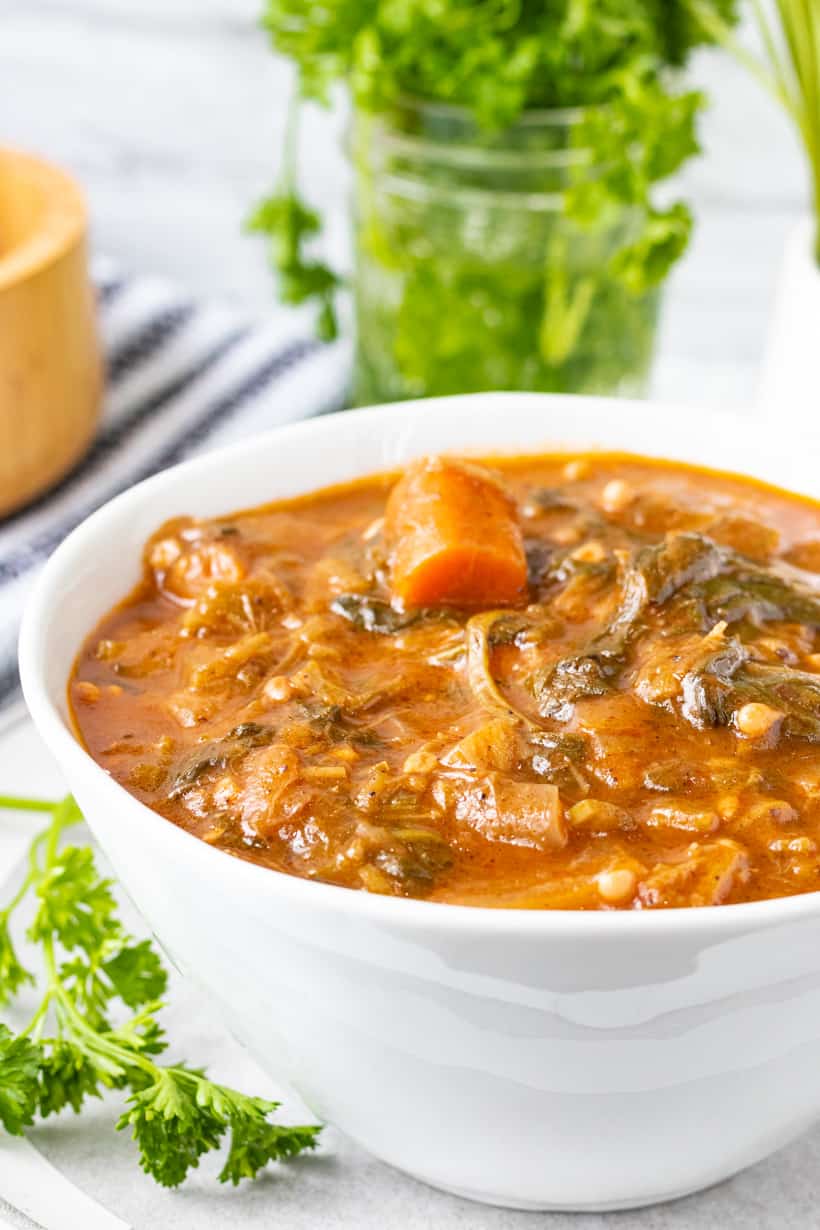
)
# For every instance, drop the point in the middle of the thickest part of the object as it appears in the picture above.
(587, 682)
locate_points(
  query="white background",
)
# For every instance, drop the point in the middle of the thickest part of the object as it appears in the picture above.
(170, 111)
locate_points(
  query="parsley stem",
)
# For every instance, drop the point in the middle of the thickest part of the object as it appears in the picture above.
(10, 802)
(34, 852)
(63, 814)
(35, 1025)
(88, 1039)
(291, 150)
(721, 32)
(8, 910)
(31, 878)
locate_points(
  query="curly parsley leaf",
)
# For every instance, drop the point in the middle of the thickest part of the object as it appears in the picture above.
(13, 974)
(289, 226)
(89, 990)
(646, 262)
(182, 1116)
(170, 1128)
(20, 1061)
(288, 223)
(255, 1142)
(136, 974)
(496, 59)
(66, 1078)
(76, 906)
(142, 1033)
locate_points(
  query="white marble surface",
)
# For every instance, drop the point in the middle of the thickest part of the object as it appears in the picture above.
(170, 112)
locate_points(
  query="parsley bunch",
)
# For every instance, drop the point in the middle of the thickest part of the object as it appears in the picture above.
(498, 58)
(73, 1047)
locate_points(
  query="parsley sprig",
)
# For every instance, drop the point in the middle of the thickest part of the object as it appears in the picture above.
(77, 1043)
(290, 227)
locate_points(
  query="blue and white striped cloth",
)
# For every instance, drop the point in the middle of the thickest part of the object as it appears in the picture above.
(183, 377)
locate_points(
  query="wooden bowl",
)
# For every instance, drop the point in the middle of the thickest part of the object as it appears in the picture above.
(51, 375)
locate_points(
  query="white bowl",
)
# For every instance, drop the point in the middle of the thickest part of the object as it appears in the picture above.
(533, 1059)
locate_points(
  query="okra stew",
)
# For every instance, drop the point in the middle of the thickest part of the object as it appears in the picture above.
(587, 682)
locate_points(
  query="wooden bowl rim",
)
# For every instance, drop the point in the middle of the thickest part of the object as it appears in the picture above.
(64, 224)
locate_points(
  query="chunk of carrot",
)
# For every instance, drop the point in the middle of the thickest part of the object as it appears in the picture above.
(454, 538)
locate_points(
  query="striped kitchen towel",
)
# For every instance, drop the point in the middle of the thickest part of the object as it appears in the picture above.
(183, 377)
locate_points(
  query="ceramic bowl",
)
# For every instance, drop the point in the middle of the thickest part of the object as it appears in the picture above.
(532, 1059)
(50, 365)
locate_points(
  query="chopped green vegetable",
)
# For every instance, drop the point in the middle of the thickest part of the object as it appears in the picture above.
(484, 686)
(758, 596)
(706, 584)
(594, 671)
(73, 1047)
(219, 753)
(557, 759)
(681, 559)
(712, 694)
(413, 858)
(373, 614)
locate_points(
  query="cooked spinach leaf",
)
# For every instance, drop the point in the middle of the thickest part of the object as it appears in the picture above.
(337, 725)
(219, 754)
(712, 695)
(414, 859)
(375, 615)
(759, 597)
(698, 582)
(728, 585)
(556, 758)
(594, 671)
(709, 688)
(681, 559)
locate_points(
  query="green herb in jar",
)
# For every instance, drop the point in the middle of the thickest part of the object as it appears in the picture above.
(506, 156)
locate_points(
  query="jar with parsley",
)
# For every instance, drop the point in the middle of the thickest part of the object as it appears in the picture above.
(513, 224)
(471, 271)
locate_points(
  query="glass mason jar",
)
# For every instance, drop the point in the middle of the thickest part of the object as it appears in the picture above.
(469, 273)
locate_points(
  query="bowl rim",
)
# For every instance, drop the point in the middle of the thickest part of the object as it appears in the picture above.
(395, 912)
(64, 223)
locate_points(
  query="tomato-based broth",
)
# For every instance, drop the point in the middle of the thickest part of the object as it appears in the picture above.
(587, 682)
